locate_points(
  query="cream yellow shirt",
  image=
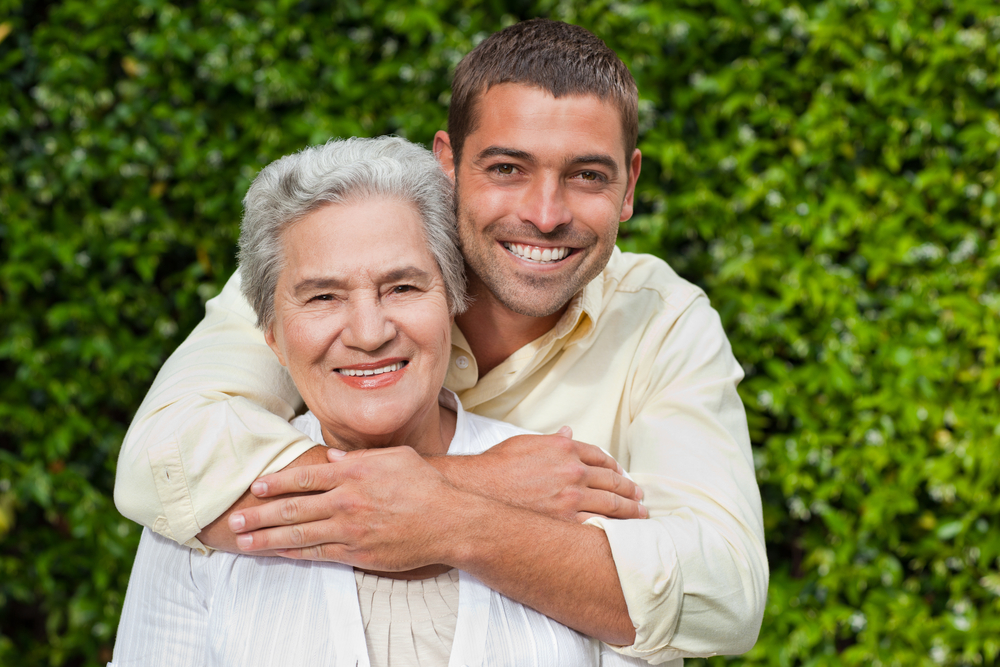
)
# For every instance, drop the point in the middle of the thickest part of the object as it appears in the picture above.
(639, 364)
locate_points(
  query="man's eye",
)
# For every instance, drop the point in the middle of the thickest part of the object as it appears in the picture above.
(590, 176)
(505, 169)
(402, 289)
(322, 297)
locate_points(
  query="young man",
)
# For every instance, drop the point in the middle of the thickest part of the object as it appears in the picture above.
(563, 329)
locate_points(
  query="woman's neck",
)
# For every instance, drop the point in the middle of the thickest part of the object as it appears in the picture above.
(432, 438)
(429, 435)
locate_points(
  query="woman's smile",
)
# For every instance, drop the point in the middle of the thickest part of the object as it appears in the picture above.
(362, 323)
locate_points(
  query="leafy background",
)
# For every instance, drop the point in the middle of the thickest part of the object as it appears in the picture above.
(828, 171)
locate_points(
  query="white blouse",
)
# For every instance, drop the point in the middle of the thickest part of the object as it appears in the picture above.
(185, 608)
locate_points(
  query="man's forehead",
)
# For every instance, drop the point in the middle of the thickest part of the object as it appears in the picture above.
(516, 117)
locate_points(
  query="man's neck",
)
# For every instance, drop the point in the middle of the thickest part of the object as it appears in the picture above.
(494, 332)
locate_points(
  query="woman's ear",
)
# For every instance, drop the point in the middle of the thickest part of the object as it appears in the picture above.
(273, 343)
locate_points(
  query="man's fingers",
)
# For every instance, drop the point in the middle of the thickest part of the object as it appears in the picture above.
(282, 512)
(611, 505)
(331, 553)
(299, 536)
(320, 477)
(593, 455)
(604, 479)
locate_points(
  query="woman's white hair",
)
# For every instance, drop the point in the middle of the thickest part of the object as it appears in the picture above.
(341, 172)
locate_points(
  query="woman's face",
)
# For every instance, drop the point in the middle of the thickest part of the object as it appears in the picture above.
(362, 320)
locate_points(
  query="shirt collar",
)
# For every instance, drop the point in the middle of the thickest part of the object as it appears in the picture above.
(579, 321)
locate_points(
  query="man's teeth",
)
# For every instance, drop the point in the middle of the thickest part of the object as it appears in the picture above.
(536, 254)
(351, 372)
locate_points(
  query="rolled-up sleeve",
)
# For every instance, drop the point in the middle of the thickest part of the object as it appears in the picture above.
(695, 574)
(215, 419)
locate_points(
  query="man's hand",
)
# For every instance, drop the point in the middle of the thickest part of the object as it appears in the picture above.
(218, 534)
(382, 509)
(550, 474)
(391, 510)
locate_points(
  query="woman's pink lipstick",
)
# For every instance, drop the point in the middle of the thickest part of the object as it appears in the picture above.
(374, 375)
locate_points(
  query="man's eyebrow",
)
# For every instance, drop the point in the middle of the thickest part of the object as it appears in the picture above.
(495, 151)
(602, 159)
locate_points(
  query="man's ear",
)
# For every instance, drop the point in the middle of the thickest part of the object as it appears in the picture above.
(445, 156)
(273, 344)
(628, 204)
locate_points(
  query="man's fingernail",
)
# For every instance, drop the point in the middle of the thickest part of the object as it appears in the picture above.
(333, 452)
(237, 521)
(244, 541)
(258, 488)
(643, 512)
(638, 493)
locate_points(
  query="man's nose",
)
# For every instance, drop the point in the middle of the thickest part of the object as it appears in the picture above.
(544, 204)
(367, 328)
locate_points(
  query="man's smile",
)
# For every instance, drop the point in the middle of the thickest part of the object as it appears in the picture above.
(534, 253)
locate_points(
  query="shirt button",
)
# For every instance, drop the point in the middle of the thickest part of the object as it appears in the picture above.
(462, 362)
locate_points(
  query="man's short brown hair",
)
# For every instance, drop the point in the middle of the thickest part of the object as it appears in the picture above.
(560, 58)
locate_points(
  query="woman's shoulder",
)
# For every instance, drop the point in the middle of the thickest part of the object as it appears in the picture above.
(483, 432)
(309, 424)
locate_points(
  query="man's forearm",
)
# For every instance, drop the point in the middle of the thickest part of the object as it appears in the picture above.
(560, 568)
(390, 510)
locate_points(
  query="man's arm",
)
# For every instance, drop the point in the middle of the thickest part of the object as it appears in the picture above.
(695, 576)
(220, 537)
(390, 510)
(215, 419)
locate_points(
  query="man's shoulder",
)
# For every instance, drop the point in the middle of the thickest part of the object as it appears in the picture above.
(630, 273)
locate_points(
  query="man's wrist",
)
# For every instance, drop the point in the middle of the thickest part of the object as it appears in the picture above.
(456, 469)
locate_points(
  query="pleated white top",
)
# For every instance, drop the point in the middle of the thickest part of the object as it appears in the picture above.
(408, 623)
(185, 608)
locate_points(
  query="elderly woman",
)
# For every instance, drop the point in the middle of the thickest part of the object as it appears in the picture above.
(349, 258)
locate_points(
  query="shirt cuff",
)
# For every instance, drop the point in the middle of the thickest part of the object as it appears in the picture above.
(179, 524)
(651, 580)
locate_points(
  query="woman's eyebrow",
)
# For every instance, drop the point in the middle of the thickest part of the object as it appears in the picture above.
(336, 283)
(404, 273)
(313, 284)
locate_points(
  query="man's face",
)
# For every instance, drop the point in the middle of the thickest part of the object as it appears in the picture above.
(542, 186)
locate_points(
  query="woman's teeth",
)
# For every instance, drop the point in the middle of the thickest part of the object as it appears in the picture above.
(351, 372)
(536, 254)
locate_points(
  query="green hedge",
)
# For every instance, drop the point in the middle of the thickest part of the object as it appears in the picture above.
(827, 171)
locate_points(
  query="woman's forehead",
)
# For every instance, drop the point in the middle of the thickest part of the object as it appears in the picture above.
(382, 239)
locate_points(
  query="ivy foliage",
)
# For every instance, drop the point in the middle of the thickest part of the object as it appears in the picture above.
(828, 171)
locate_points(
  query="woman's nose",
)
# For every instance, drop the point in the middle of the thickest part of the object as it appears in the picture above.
(367, 327)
